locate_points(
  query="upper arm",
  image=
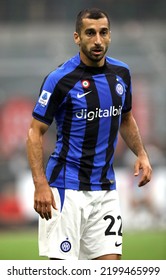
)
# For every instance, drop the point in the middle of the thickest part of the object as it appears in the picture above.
(50, 98)
(127, 123)
(37, 128)
(126, 117)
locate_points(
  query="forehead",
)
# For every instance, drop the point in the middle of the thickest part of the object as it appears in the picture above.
(97, 24)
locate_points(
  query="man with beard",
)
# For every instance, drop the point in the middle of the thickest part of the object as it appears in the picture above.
(89, 96)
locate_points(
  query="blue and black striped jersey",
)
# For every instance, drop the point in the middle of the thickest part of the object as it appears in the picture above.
(87, 104)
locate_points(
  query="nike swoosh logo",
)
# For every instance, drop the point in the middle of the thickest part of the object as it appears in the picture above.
(83, 94)
(118, 244)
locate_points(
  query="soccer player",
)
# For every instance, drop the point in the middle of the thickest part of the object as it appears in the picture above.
(89, 97)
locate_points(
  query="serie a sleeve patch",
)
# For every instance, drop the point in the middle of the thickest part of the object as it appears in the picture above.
(44, 98)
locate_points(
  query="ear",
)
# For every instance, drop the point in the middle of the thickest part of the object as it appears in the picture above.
(77, 38)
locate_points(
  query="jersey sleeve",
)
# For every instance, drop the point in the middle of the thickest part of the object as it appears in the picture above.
(128, 95)
(47, 103)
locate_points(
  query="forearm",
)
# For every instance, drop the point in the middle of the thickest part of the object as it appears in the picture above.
(130, 133)
(43, 196)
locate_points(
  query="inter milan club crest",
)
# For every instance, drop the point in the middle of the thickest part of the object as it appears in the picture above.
(85, 83)
(120, 86)
(119, 89)
(65, 246)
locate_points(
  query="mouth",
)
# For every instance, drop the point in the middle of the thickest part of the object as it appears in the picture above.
(97, 51)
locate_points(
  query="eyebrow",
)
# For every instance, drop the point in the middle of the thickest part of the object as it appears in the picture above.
(93, 29)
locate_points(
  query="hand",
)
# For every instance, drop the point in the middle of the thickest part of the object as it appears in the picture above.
(43, 200)
(142, 163)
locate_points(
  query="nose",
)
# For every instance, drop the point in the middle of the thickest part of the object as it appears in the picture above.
(97, 39)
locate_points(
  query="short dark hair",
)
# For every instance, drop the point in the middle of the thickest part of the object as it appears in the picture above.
(93, 13)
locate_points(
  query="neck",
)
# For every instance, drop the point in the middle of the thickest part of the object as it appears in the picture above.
(91, 63)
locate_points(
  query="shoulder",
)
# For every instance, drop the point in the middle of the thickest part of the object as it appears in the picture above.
(55, 77)
(64, 68)
(116, 62)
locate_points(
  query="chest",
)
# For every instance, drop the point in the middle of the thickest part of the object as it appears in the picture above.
(96, 93)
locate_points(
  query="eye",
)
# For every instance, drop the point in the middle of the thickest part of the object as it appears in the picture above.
(104, 32)
(90, 33)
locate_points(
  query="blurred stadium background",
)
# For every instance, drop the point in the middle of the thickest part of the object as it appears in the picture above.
(35, 37)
